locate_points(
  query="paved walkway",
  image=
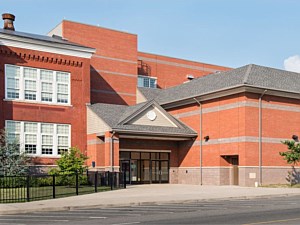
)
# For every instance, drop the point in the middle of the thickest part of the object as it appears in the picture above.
(143, 194)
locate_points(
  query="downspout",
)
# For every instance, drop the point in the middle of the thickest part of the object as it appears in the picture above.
(260, 136)
(112, 151)
(200, 136)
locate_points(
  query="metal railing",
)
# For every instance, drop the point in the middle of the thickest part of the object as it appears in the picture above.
(37, 187)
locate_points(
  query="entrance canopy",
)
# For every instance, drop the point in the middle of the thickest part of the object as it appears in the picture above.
(147, 120)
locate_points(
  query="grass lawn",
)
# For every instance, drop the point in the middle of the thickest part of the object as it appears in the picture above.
(10, 195)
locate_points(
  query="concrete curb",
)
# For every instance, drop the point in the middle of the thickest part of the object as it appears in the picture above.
(136, 203)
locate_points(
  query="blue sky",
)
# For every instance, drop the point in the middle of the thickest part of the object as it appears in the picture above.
(223, 32)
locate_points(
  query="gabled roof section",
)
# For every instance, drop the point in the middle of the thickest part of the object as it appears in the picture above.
(138, 109)
(118, 117)
(247, 76)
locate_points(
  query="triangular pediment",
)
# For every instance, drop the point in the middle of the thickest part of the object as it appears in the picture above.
(151, 114)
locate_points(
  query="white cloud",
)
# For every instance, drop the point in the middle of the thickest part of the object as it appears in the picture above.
(292, 63)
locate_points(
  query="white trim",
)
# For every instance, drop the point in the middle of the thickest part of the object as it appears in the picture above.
(115, 59)
(36, 102)
(240, 139)
(44, 46)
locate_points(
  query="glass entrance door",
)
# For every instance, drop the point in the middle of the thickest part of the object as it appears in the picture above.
(145, 167)
(160, 171)
(155, 178)
(125, 168)
(145, 171)
(164, 174)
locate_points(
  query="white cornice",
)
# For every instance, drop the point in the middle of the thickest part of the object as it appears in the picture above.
(45, 46)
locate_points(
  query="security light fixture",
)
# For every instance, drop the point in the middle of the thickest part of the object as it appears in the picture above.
(206, 138)
(295, 137)
(190, 77)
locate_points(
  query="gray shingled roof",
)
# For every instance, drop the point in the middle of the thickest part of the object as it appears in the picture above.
(40, 38)
(249, 75)
(113, 115)
(150, 93)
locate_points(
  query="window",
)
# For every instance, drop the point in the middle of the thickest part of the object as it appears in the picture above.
(30, 132)
(38, 85)
(39, 138)
(12, 74)
(63, 139)
(149, 82)
(13, 131)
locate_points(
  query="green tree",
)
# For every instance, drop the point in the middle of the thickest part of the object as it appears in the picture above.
(292, 156)
(70, 163)
(13, 162)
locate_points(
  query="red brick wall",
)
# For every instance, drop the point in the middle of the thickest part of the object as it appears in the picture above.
(24, 111)
(242, 121)
(172, 71)
(113, 66)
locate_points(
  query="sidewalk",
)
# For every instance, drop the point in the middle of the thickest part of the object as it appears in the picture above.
(143, 194)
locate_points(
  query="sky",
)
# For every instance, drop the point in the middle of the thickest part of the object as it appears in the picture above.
(230, 33)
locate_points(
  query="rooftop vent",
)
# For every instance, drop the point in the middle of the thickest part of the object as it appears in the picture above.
(8, 21)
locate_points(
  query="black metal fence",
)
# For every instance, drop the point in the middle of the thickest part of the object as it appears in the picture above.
(38, 187)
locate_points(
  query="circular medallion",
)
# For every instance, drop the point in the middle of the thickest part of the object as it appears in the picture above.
(151, 115)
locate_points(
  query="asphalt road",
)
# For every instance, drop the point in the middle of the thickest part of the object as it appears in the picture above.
(275, 210)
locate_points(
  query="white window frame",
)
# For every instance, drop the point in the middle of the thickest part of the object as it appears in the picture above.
(39, 138)
(38, 87)
(149, 78)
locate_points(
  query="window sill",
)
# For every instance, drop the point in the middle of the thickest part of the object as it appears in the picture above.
(36, 102)
(44, 156)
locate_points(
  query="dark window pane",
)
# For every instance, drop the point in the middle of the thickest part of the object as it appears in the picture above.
(124, 155)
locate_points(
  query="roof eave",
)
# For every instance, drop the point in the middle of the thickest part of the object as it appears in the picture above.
(11, 40)
(151, 133)
(229, 91)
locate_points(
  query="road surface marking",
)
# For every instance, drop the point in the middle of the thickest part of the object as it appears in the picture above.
(35, 220)
(126, 223)
(99, 217)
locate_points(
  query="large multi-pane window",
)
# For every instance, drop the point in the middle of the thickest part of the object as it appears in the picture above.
(144, 81)
(39, 138)
(39, 85)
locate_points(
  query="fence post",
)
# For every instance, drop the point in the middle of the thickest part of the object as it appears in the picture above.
(27, 188)
(53, 185)
(96, 181)
(111, 180)
(77, 185)
(124, 179)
